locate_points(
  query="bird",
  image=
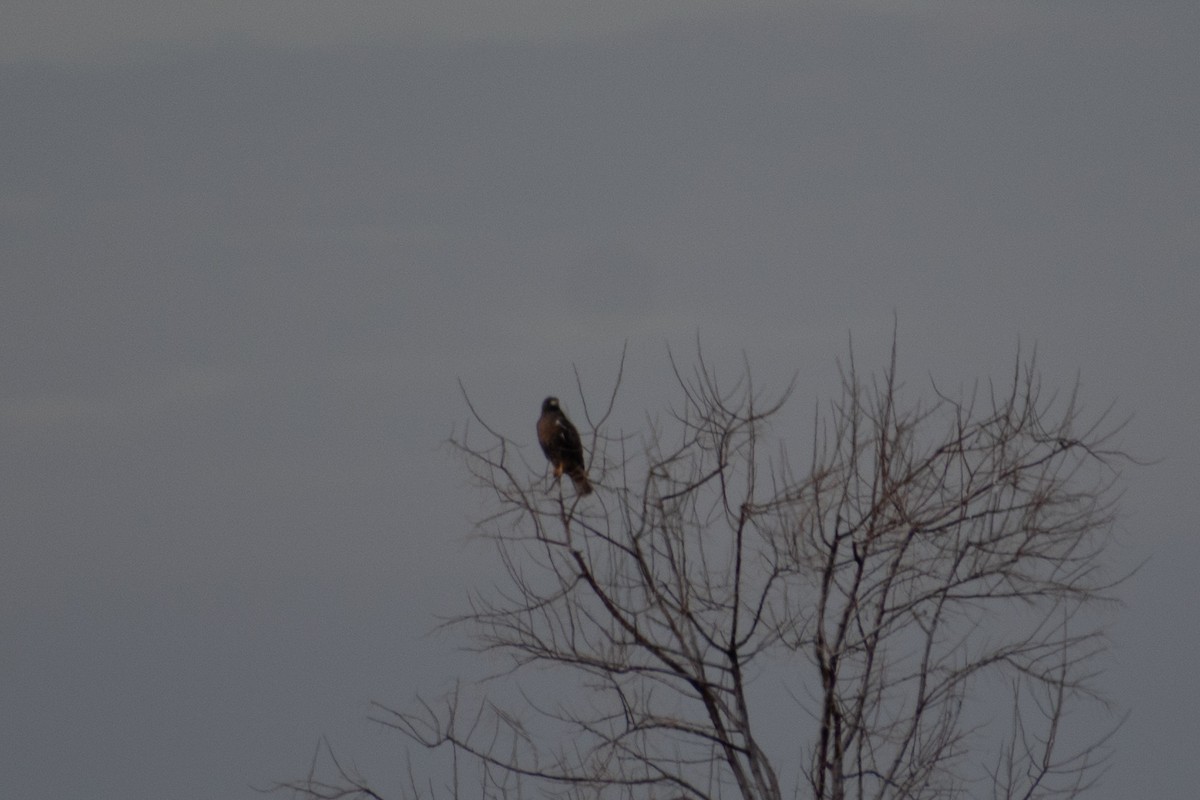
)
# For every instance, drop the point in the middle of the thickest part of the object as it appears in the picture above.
(561, 444)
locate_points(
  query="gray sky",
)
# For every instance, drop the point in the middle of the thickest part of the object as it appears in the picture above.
(249, 248)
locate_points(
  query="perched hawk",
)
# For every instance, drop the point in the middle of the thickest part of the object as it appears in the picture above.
(560, 442)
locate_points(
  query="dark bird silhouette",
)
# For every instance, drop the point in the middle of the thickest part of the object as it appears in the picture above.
(561, 444)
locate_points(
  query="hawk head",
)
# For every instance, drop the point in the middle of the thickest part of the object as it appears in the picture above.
(550, 405)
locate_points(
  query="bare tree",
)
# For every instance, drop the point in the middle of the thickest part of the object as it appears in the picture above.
(931, 574)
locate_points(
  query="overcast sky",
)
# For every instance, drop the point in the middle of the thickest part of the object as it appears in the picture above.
(249, 248)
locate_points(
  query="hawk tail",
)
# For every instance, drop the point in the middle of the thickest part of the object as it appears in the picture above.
(582, 485)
